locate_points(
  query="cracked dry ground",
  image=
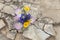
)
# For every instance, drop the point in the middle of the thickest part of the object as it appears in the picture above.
(7, 8)
(49, 8)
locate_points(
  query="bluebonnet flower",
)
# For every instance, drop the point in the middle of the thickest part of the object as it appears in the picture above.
(24, 18)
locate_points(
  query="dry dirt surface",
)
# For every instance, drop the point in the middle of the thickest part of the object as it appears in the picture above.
(48, 8)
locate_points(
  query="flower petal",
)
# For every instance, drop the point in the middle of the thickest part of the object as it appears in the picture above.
(26, 24)
(33, 19)
(18, 26)
(18, 12)
(26, 8)
(16, 18)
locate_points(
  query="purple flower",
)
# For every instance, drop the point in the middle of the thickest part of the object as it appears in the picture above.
(18, 26)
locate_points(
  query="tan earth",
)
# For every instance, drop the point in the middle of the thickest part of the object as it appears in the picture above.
(48, 8)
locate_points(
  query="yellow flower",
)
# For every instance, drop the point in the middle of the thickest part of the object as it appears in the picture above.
(26, 8)
(26, 24)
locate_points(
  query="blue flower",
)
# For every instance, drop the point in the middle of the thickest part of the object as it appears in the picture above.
(24, 18)
(28, 17)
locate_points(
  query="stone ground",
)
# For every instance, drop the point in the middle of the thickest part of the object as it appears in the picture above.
(49, 8)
